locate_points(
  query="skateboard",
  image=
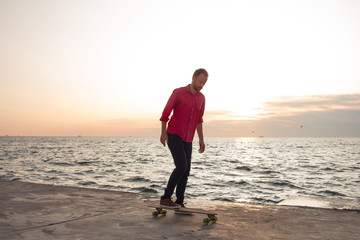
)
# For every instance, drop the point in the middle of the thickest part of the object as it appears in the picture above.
(211, 216)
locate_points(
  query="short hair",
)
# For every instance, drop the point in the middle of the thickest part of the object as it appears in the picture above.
(200, 71)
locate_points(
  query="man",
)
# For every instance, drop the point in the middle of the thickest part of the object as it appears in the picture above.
(187, 104)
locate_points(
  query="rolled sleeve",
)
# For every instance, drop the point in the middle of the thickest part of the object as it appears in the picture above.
(169, 107)
(201, 115)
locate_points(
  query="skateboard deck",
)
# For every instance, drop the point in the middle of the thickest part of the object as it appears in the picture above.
(211, 216)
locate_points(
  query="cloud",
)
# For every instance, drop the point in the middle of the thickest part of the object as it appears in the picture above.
(309, 116)
(288, 106)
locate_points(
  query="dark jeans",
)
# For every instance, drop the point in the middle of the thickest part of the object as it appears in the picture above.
(181, 153)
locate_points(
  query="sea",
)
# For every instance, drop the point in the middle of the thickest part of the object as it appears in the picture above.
(312, 172)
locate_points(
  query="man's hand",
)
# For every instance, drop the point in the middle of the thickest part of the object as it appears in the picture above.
(202, 147)
(164, 135)
(164, 139)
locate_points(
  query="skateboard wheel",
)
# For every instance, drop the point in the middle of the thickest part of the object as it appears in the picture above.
(163, 212)
(155, 214)
(206, 221)
(214, 219)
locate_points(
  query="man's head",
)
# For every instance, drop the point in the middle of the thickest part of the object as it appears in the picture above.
(200, 71)
(199, 79)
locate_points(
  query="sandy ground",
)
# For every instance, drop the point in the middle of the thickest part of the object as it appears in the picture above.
(35, 211)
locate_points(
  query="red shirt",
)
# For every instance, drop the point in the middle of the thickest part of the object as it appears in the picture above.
(188, 113)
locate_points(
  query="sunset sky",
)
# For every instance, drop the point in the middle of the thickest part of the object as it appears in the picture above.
(106, 68)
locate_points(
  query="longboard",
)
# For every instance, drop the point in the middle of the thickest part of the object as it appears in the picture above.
(211, 216)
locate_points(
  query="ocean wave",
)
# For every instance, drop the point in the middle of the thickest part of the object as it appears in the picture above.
(84, 163)
(280, 183)
(87, 183)
(268, 172)
(245, 168)
(231, 161)
(143, 160)
(48, 178)
(266, 200)
(241, 182)
(143, 190)
(332, 193)
(137, 179)
(223, 199)
(16, 179)
(328, 169)
(63, 164)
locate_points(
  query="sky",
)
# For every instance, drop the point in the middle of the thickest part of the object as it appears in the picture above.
(106, 68)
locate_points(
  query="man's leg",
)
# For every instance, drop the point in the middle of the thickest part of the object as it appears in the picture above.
(176, 146)
(181, 186)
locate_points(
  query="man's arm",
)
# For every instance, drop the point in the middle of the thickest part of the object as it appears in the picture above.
(199, 129)
(163, 136)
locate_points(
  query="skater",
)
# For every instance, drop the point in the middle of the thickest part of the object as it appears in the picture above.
(187, 104)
